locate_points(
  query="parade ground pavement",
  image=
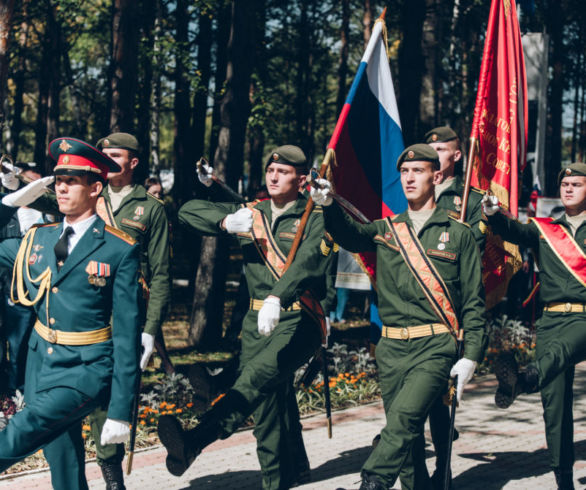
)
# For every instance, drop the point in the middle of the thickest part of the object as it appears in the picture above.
(496, 449)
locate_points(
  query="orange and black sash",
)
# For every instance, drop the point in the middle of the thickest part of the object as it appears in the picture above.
(564, 246)
(425, 273)
(275, 261)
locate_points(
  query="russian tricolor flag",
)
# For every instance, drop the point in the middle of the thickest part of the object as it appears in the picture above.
(367, 139)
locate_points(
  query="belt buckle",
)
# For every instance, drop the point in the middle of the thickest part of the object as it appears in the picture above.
(52, 336)
(568, 307)
(404, 333)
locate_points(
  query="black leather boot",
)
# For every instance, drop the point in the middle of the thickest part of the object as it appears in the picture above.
(564, 479)
(512, 383)
(369, 482)
(113, 476)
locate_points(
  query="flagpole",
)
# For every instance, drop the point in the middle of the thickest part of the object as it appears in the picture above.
(466, 195)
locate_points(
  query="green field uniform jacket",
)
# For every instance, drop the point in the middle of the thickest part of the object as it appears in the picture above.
(451, 199)
(143, 217)
(557, 283)
(307, 270)
(73, 304)
(402, 302)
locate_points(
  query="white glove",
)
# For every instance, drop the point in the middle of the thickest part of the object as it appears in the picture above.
(238, 222)
(268, 316)
(464, 369)
(148, 344)
(115, 432)
(9, 180)
(490, 204)
(28, 194)
(204, 174)
(321, 194)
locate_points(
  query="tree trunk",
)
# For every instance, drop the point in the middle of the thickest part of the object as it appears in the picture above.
(156, 88)
(55, 76)
(411, 68)
(430, 41)
(184, 171)
(367, 22)
(208, 305)
(343, 64)
(6, 11)
(124, 65)
(555, 103)
(222, 37)
(19, 79)
(148, 15)
(200, 98)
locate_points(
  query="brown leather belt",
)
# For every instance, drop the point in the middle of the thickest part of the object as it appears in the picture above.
(566, 307)
(415, 332)
(73, 338)
(256, 304)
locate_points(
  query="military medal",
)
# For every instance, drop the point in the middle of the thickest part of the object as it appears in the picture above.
(138, 212)
(458, 203)
(443, 239)
(295, 225)
(97, 273)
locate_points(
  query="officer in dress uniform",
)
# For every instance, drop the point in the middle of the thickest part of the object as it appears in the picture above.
(429, 287)
(560, 246)
(81, 276)
(279, 332)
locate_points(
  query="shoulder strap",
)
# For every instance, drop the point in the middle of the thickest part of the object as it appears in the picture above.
(564, 246)
(425, 273)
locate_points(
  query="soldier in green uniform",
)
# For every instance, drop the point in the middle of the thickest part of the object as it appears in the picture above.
(429, 287)
(128, 207)
(448, 193)
(560, 246)
(81, 276)
(279, 331)
(450, 190)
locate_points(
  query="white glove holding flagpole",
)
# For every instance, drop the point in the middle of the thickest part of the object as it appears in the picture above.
(115, 432)
(238, 222)
(29, 193)
(490, 205)
(464, 369)
(321, 192)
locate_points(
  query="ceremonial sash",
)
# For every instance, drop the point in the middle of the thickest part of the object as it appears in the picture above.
(564, 246)
(425, 273)
(275, 261)
(104, 211)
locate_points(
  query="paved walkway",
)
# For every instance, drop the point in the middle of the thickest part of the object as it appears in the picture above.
(496, 449)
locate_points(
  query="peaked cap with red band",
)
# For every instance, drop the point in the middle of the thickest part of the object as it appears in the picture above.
(76, 157)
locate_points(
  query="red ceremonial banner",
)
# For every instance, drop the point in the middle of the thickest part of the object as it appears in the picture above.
(499, 136)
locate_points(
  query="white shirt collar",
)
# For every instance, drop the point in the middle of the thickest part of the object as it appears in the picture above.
(79, 230)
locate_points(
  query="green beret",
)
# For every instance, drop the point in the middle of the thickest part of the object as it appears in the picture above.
(421, 152)
(440, 134)
(124, 141)
(76, 157)
(577, 169)
(288, 155)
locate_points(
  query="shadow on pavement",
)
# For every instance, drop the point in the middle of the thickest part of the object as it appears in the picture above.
(500, 468)
(347, 462)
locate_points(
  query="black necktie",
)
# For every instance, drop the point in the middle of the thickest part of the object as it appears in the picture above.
(62, 246)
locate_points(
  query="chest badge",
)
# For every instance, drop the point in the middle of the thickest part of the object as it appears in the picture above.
(32, 260)
(138, 212)
(97, 273)
(37, 247)
(443, 239)
(295, 225)
(458, 203)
